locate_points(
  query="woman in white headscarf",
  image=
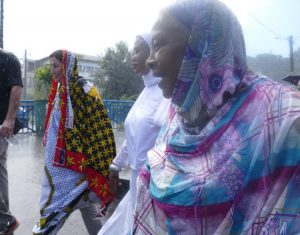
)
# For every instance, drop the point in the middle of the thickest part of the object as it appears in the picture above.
(142, 125)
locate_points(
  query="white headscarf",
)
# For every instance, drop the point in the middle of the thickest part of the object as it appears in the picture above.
(147, 38)
(149, 79)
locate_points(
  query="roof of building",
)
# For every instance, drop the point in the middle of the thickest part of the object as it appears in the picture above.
(87, 57)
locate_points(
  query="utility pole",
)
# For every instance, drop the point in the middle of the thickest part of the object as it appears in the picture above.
(291, 43)
(1, 23)
(25, 74)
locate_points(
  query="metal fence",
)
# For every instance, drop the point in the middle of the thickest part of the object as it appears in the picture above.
(26, 116)
(117, 111)
(32, 113)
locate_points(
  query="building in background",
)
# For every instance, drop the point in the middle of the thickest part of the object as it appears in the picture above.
(88, 67)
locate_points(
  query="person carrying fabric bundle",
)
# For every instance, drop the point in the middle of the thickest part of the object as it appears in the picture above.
(79, 146)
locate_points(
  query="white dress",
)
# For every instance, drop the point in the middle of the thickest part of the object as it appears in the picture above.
(142, 125)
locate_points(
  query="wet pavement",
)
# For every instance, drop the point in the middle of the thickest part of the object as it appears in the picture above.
(25, 169)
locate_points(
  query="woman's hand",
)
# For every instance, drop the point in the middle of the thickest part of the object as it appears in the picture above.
(6, 129)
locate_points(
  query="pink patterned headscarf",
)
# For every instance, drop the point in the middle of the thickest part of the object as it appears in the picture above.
(228, 160)
(214, 65)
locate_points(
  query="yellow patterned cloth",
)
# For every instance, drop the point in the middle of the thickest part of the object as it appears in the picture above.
(90, 144)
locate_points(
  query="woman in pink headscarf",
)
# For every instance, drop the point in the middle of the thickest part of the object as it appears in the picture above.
(228, 160)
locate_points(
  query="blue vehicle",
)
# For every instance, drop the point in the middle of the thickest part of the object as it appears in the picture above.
(23, 116)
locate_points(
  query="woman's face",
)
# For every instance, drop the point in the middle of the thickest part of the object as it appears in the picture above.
(139, 55)
(56, 68)
(169, 39)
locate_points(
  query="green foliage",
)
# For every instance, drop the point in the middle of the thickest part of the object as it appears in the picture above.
(117, 79)
(42, 78)
(132, 97)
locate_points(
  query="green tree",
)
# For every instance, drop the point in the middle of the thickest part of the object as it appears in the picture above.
(117, 79)
(42, 78)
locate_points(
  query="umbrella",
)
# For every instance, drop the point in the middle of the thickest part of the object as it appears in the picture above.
(293, 79)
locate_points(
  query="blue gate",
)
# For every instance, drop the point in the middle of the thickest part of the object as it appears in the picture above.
(26, 115)
(117, 111)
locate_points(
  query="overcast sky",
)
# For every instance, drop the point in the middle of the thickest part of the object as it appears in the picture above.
(90, 26)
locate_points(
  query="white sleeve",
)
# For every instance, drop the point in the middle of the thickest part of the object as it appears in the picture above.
(121, 159)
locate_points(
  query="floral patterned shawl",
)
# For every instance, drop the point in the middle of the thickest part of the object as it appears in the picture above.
(228, 160)
(85, 140)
